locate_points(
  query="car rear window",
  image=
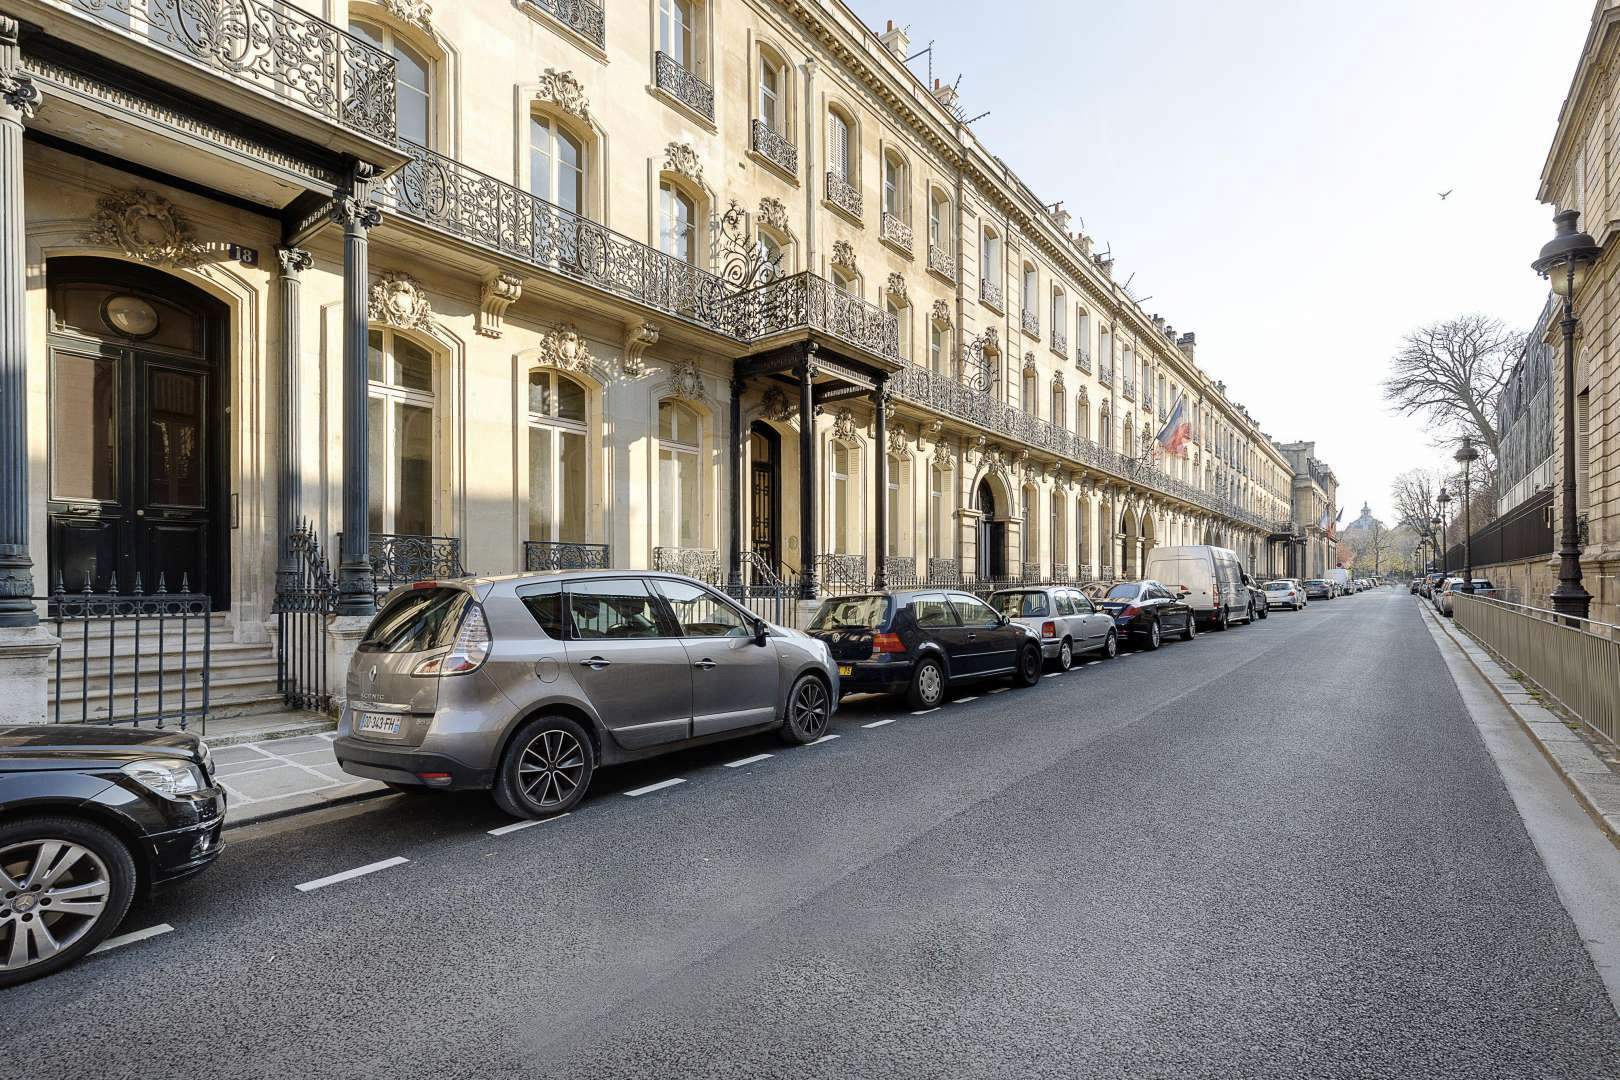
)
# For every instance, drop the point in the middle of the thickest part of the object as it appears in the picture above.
(416, 620)
(1278, 586)
(851, 613)
(1123, 591)
(1021, 605)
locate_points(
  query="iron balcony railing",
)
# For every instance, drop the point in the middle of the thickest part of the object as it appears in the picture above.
(1082, 360)
(1060, 342)
(270, 45)
(700, 563)
(844, 195)
(895, 231)
(401, 558)
(942, 262)
(990, 294)
(1106, 377)
(581, 16)
(773, 147)
(674, 79)
(1128, 388)
(805, 301)
(1031, 323)
(563, 555)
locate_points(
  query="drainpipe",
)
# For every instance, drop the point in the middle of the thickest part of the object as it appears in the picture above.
(810, 165)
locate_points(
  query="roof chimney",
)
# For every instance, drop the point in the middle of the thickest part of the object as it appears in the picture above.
(1188, 344)
(945, 94)
(896, 40)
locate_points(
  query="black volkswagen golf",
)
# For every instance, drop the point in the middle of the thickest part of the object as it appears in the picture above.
(89, 817)
(918, 642)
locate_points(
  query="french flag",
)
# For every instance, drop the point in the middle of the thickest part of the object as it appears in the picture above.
(1177, 429)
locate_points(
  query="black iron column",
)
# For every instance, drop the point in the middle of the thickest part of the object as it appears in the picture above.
(18, 99)
(289, 495)
(807, 473)
(737, 474)
(880, 471)
(355, 213)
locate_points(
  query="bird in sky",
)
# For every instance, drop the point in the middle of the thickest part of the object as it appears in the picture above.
(1445, 193)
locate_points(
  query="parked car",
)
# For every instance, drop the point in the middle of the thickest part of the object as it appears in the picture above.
(1413, 588)
(1482, 587)
(1285, 592)
(1066, 619)
(1438, 590)
(1318, 589)
(524, 685)
(920, 641)
(1211, 577)
(92, 816)
(1147, 610)
(1258, 607)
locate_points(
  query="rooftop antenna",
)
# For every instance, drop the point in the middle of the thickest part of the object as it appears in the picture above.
(981, 116)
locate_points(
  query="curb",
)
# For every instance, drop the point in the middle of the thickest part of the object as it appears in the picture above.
(1595, 784)
(315, 803)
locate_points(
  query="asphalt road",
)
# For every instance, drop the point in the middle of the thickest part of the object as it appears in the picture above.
(1279, 851)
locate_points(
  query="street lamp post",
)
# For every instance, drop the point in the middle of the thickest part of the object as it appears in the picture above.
(1564, 262)
(1444, 500)
(1467, 455)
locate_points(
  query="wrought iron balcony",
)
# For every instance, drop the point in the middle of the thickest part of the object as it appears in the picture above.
(401, 558)
(273, 46)
(941, 262)
(1106, 377)
(842, 573)
(1147, 401)
(700, 563)
(776, 149)
(1164, 413)
(900, 572)
(805, 301)
(1082, 360)
(581, 16)
(844, 195)
(1128, 388)
(562, 555)
(895, 231)
(1060, 342)
(1031, 323)
(991, 295)
(673, 78)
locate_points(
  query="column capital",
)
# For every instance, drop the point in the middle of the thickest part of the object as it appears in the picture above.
(355, 212)
(19, 97)
(294, 261)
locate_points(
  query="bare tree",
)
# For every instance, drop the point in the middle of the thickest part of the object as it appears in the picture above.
(1413, 493)
(1451, 373)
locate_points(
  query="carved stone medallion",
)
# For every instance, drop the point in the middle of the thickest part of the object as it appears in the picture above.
(397, 299)
(564, 349)
(145, 226)
(561, 89)
(680, 158)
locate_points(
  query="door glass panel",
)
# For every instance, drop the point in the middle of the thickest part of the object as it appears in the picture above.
(84, 428)
(702, 614)
(613, 609)
(933, 611)
(570, 401)
(413, 512)
(974, 612)
(539, 483)
(415, 365)
(571, 485)
(174, 451)
(376, 462)
(376, 360)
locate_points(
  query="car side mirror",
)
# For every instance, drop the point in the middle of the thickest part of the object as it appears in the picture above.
(1183, 593)
(762, 633)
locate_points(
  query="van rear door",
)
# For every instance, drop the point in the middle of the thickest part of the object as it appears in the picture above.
(1195, 575)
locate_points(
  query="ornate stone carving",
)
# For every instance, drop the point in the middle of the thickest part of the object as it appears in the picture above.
(944, 457)
(773, 213)
(397, 299)
(294, 261)
(777, 406)
(896, 285)
(843, 254)
(348, 210)
(1057, 378)
(639, 336)
(145, 226)
(844, 426)
(1029, 363)
(979, 449)
(564, 349)
(899, 443)
(561, 89)
(417, 12)
(942, 313)
(685, 381)
(1082, 395)
(17, 89)
(498, 293)
(680, 158)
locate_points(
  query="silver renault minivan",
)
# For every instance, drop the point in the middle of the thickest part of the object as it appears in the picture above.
(525, 684)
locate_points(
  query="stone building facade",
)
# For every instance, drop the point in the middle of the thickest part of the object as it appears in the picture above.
(1313, 551)
(509, 283)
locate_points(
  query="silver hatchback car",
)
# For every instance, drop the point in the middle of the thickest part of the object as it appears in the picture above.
(1068, 622)
(524, 685)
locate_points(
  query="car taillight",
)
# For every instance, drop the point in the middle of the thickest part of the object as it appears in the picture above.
(469, 652)
(1048, 629)
(887, 643)
(1130, 612)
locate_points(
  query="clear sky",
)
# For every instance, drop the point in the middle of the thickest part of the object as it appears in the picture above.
(1270, 173)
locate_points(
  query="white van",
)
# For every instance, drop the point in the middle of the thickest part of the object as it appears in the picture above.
(1209, 578)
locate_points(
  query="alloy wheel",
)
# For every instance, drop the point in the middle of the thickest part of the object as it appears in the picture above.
(1111, 646)
(809, 708)
(551, 768)
(1065, 655)
(52, 892)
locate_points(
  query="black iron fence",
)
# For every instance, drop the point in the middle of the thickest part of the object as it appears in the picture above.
(134, 658)
(306, 599)
(1525, 532)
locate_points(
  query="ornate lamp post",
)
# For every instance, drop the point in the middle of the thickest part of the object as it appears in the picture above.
(1444, 500)
(1565, 262)
(1467, 455)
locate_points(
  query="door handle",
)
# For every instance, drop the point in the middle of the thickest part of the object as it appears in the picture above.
(973, 637)
(705, 664)
(140, 513)
(596, 663)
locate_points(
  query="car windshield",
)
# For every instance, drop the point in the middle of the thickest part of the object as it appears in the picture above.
(851, 613)
(1278, 586)
(1022, 605)
(1124, 591)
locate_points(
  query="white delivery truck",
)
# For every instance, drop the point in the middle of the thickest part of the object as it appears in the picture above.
(1340, 577)
(1210, 579)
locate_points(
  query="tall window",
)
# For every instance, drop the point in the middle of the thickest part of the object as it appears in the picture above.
(1060, 410)
(838, 498)
(990, 259)
(677, 217)
(899, 508)
(1082, 419)
(556, 165)
(1059, 535)
(399, 410)
(772, 256)
(1060, 314)
(894, 186)
(557, 458)
(838, 145)
(772, 108)
(1030, 282)
(902, 322)
(937, 547)
(846, 282)
(938, 215)
(413, 96)
(1031, 388)
(936, 350)
(676, 26)
(1080, 531)
(1031, 527)
(1105, 429)
(680, 513)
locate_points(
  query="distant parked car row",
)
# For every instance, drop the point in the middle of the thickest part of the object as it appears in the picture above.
(1440, 589)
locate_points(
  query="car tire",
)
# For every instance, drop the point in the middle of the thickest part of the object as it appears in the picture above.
(1110, 647)
(1225, 620)
(546, 769)
(808, 713)
(1028, 671)
(1264, 613)
(1065, 656)
(105, 864)
(927, 687)
(1192, 628)
(1155, 637)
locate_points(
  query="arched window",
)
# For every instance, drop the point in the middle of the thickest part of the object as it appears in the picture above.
(556, 164)
(990, 259)
(677, 223)
(413, 81)
(1059, 536)
(557, 458)
(845, 281)
(894, 187)
(1031, 390)
(841, 498)
(899, 505)
(774, 256)
(1031, 285)
(1082, 419)
(1060, 409)
(938, 513)
(840, 156)
(1105, 428)
(399, 406)
(680, 482)
(939, 220)
(1028, 500)
(902, 318)
(939, 361)
(773, 92)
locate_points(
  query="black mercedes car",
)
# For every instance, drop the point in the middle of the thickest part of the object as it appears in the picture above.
(1318, 589)
(917, 642)
(90, 816)
(1146, 611)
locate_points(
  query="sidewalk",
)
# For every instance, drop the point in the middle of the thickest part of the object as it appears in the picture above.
(277, 776)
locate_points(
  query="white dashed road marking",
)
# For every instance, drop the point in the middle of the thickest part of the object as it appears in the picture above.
(746, 761)
(925, 712)
(999, 690)
(359, 871)
(965, 700)
(516, 825)
(132, 937)
(1093, 663)
(824, 738)
(880, 723)
(1051, 674)
(660, 786)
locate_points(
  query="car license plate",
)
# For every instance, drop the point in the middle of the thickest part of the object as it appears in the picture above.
(379, 723)
(846, 669)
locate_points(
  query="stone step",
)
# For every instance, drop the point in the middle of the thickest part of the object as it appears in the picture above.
(170, 649)
(124, 670)
(228, 696)
(77, 630)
